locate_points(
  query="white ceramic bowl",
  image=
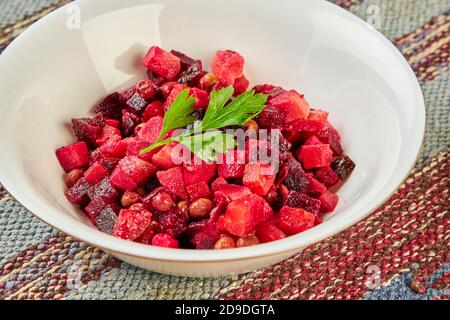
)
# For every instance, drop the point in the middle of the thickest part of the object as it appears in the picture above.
(52, 73)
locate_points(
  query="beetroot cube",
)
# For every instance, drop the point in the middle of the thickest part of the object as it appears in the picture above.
(192, 75)
(78, 193)
(331, 136)
(165, 241)
(106, 220)
(154, 109)
(137, 169)
(174, 93)
(232, 164)
(329, 201)
(151, 130)
(172, 222)
(267, 232)
(88, 130)
(291, 105)
(147, 236)
(308, 126)
(198, 190)
(327, 176)
(170, 155)
(185, 60)
(129, 122)
(232, 192)
(294, 220)
(135, 147)
(228, 66)
(74, 156)
(271, 118)
(320, 115)
(215, 185)
(173, 181)
(201, 98)
(198, 171)
(132, 223)
(270, 90)
(343, 166)
(296, 177)
(207, 236)
(299, 200)
(259, 178)
(105, 191)
(108, 133)
(241, 85)
(111, 106)
(315, 156)
(122, 181)
(314, 185)
(243, 215)
(94, 208)
(96, 173)
(136, 104)
(146, 89)
(313, 140)
(126, 94)
(162, 62)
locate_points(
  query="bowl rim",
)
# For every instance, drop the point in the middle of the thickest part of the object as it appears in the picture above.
(111, 244)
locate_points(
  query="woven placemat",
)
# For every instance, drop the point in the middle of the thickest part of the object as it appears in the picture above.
(399, 252)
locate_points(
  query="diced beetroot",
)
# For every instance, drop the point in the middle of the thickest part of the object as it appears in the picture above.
(267, 232)
(299, 200)
(331, 136)
(113, 123)
(162, 62)
(129, 122)
(108, 133)
(132, 223)
(215, 185)
(147, 236)
(313, 140)
(106, 220)
(314, 185)
(88, 130)
(137, 169)
(174, 93)
(241, 85)
(270, 90)
(329, 202)
(74, 156)
(185, 60)
(78, 193)
(167, 88)
(151, 130)
(293, 220)
(243, 215)
(259, 178)
(171, 155)
(126, 95)
(198, 171)
(232, 192)
(327, 176)
(173, 181)
(111, 106)
(154, 109)
(207, 236)
(296, 177)
(172, 222)
(201, 98)
(104, 190)
(114, 147)
(307, 126)
(198, 190)
(315, 156)
(228, 66)
(96, 206)
(96, 173)
(120, 180)
(136, 104)
(110, 163)
(145, 89)
(165, 241)
(271, 118)
(319, 220)
(232, 164)
(135, 147)
(292, 105)
(343, 166)
(320, 115)
(192, 75)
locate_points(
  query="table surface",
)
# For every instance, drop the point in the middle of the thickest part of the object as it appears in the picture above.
(406, 240)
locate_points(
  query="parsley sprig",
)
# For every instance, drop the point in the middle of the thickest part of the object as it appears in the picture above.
(206, 139)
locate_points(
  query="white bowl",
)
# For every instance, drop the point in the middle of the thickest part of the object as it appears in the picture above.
(52, 73)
